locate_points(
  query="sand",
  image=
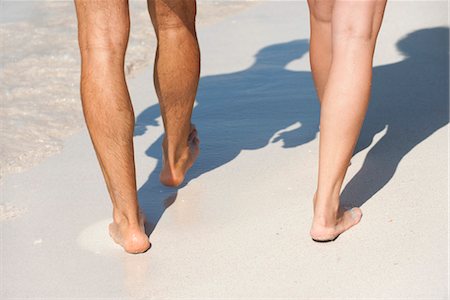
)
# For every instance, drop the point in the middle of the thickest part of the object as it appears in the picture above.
(239, 227)
(39, 41)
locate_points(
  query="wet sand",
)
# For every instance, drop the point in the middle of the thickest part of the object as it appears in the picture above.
(239, 227)
(40, 68)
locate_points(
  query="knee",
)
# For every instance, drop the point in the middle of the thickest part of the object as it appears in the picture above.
(104, 42)
(178, 19)
(321, 11)
(355, 32)
(358, 26)
(170, 21)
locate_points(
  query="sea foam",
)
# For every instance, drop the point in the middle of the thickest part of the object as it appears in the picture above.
(40, 69)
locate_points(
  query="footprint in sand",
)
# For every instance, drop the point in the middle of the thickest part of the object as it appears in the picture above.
(95, 238)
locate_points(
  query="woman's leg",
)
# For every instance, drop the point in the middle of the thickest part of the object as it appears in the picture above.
(320, 42)
(103, 29)
(355, 26)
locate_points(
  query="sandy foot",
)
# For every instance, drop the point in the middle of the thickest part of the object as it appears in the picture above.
(344, 221)
(132, 238)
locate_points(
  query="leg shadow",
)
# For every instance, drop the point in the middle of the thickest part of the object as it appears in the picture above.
(411, 100)
(244, 110)
(154, 198)
(247, 110)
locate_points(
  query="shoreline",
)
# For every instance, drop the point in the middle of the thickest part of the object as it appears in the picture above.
(40, 114)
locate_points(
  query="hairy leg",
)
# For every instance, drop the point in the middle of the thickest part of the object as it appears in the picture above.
(176, 76)
(355, 26)
(320, 51)
(103, 28)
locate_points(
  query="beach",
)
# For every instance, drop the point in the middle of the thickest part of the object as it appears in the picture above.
(40, 72)
(239, 226)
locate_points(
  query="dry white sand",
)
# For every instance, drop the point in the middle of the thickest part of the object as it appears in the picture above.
(239, 227)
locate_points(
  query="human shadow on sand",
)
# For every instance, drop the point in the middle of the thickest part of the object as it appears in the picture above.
(240, 111)
(249, 109)
(410, 99)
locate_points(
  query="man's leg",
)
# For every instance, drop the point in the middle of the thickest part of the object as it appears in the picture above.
(176, 76)
(355, 26)
(103, 28)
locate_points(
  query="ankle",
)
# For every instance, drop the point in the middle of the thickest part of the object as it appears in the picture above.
(326, 210)
(325, 221)
(126, 219)
(175, 151)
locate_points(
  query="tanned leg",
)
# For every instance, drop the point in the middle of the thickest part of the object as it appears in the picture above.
(320, 42)
(103, 28)
(176, 76)
(355, 26)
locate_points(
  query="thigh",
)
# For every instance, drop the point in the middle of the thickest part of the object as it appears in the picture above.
(103, 23)
(169, 14)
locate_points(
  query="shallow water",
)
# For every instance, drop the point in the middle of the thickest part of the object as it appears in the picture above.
(39, 74)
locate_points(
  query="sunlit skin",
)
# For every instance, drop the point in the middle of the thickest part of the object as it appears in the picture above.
(103, 29)
(343, 37)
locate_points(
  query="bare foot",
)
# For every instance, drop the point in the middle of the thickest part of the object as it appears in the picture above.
(173, 173)
(344, 221)
(132, 238)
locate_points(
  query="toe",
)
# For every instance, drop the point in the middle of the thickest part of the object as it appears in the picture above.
(356, 214)
(349, 219)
